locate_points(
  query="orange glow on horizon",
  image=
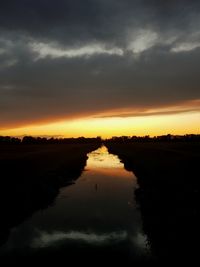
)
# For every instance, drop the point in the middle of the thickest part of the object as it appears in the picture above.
(182, 123)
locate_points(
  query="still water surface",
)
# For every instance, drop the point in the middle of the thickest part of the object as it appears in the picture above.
(98, 210)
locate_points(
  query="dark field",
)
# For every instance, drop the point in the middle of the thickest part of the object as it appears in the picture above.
(168, 176)
(31, 176)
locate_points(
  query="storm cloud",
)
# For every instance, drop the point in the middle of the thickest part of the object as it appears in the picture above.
(69, 59)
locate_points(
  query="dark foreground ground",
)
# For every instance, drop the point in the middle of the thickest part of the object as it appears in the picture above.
(168, 176)
(168, 196)
(31, 176)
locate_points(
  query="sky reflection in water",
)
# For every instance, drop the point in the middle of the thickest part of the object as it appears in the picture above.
(99, 209)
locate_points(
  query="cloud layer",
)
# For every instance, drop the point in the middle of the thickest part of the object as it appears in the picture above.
(82, 58)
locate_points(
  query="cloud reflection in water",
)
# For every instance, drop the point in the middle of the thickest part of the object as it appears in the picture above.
(49, 239)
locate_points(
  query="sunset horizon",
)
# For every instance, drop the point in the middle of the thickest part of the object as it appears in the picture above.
(152, 125)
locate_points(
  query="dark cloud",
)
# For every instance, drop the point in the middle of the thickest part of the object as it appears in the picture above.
(75, 58)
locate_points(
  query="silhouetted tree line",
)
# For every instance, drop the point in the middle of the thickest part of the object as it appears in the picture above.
(147, 138)
(9, 140)
(44, 140)
(114, 139)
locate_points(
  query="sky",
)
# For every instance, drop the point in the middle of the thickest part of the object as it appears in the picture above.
(99, 67)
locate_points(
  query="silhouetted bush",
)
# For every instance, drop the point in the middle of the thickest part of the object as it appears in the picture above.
(9, 140)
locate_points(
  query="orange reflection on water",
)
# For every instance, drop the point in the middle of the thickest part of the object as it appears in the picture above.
(101, 158)
(118, 173)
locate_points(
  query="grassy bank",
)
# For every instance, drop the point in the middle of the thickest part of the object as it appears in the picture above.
(168, 175)
(31, 176)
